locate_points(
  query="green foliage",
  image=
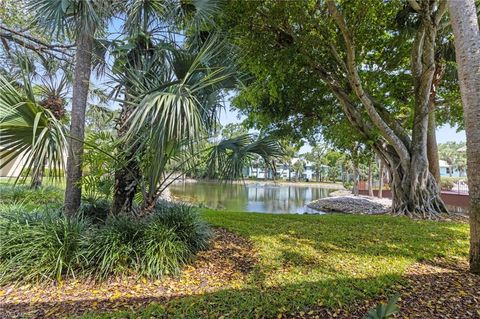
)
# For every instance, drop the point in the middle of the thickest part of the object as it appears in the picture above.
(33, 198)
(446, 184)
(230, 157)
(162, 251)
(186, 222)
(30, 131)
(111, 248)
(384, 311)
(95, 210)
(154, 246)
(454, 153)
(39, 245)
(44, 245)
(99, 165)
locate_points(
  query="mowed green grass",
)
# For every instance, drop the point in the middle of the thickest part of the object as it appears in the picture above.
(307, 261)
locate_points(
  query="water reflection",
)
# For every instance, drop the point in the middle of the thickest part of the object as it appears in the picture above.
(262, 198)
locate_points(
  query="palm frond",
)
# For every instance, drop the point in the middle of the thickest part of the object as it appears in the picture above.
(230, 157)
(29, 131)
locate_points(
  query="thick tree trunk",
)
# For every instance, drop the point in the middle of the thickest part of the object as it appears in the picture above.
(126, 182)
(415, 192)
(467, 49)
(370, 180)
(432, 147)
(81, 81)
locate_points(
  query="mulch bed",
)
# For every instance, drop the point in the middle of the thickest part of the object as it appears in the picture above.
(225, 265)
(431, 290)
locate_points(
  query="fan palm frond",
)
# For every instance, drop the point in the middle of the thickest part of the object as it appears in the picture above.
(230, 157)
(29, 131)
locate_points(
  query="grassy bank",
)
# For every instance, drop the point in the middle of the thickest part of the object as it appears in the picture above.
(310, 261)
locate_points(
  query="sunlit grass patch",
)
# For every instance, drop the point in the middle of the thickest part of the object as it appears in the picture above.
(307, 261)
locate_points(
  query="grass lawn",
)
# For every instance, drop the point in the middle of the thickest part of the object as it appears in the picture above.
(306, 261)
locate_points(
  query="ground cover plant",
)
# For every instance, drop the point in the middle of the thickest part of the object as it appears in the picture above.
(44, 245)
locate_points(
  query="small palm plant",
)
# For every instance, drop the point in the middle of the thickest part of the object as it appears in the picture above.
(384, 311)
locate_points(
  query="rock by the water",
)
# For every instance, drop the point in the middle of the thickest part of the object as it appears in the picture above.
(352, 205)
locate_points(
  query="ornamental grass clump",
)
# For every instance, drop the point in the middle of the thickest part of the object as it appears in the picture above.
(39, 246)
(47, 246)
(186, 222)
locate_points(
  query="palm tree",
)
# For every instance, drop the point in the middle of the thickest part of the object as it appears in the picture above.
(464, 21)
(448, 154)
(79, 19)
(151, 62)
(298, 168)
(171, 111)
(31, 131)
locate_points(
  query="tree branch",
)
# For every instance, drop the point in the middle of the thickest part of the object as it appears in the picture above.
(356, 83)
(415, 5)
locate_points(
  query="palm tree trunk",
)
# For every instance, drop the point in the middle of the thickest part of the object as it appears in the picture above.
(128, 175)
(467, 48)
(37, 177)
(81, 81)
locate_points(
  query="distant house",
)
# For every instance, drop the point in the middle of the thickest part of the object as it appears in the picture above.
(286, 171)
(448, 170)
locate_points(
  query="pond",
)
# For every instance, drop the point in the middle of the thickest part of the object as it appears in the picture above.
(258, 197)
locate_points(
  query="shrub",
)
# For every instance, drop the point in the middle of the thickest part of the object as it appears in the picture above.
(45, 245)
(348, 185)
(96, 210)
(110, 247)
(162, 251)
(39, 245)
(154, 246)
(186, 222)
(447, 184)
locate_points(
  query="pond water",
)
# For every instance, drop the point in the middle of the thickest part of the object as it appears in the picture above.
(262, 198)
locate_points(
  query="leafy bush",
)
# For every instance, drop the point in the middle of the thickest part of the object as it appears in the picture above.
(348, 185)
(109, 249)
(447, 184)
(163, 252)
(96, 210)
(186, 222)
(39, 245)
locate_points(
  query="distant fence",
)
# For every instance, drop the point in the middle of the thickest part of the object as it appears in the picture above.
(457, 197)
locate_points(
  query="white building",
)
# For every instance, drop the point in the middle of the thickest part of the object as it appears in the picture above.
(286, 171)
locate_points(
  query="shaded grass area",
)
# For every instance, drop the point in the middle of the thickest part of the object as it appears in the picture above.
(306, 262)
